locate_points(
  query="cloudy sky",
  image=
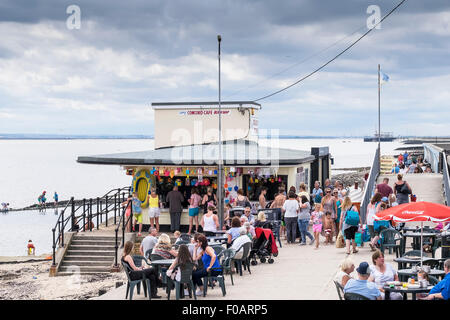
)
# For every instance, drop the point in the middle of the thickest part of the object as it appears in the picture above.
(102, 78)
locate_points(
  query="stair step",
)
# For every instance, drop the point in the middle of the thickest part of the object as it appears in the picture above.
(94, 242)
(94, 269)
(64, 273)
(91, 248)
(85, 263)
(107, 253)
(88, 258)
(96, 238)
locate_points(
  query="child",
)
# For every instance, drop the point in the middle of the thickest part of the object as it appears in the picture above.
(422, 275)
(177, 235)
(137, 211)
(328, 228)
(30, 247)
(317, 221)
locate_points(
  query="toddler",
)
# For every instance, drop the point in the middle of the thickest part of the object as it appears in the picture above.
(327, 226)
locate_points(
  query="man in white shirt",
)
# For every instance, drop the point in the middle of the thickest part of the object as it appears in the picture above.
(149, 242)
(240, 241)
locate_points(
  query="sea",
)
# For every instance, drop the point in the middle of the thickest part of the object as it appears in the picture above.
(28, 167)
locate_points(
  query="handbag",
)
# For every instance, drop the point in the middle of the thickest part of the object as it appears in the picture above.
(352, 218)
(340, 243)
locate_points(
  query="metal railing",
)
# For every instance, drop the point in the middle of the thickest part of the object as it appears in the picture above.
(124, 220)
(371, 182)
(109, 203)
(446, 178)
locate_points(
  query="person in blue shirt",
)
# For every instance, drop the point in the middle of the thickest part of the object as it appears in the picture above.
(317, 193)
(361, 286)
(442, 289)
(395, 169)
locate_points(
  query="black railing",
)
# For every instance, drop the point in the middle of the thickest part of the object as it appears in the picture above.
(124, 220)
(86, 209)
(370, 184)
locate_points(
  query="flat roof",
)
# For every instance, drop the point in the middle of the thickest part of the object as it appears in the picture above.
(204, 104)
(235, 153)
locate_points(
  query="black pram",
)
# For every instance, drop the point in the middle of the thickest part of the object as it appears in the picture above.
(264, 246)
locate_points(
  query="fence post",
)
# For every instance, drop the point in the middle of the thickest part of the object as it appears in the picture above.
(115, 208)
(72, 214)
(90, 215)
(106, 212)
(62, 228)
(54, 248)
(117, 249)
(84, 215)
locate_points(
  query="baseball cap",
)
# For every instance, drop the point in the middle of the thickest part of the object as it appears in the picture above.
(362, 269)
(384, 199)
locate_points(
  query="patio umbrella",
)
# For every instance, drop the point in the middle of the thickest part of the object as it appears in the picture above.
(416, 211)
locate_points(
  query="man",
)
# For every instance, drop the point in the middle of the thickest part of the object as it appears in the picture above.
(55, 197)
(250, 217)
(148, 242)
(384, 188)
(442, 289)
(262, 198)
(317, 193)
(175, 200)
(395, 168)
(361, 286)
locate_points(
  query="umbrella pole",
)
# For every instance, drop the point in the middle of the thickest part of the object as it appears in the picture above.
(421, 245)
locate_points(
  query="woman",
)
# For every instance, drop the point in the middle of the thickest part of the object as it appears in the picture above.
(343, 275)
(329, 205)
(260, 220)
(210, 222)
(303, 192)
(194, 209)
(372, 208)
(209, 199)
(378, 226)
(128, 212)
(210, 263)
(241, 200)
(402, 191)
(233, 232)
(303, 220)
(139, 273)
(291, 208)
(339, 196)
(183, 258)
(348, 230)
(153, 211)
(227, 219)
(278, 203)
(163, 248)
(382, 272)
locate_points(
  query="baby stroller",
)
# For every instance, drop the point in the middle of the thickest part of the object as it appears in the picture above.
(263, 247)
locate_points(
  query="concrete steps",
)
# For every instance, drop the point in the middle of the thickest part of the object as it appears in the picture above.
(88, 254)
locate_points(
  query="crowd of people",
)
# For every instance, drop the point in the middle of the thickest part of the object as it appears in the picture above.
(410, 163)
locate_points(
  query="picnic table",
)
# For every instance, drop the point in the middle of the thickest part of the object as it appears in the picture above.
(404, 261)
(404, 291)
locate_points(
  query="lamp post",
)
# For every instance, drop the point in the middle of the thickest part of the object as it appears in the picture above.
(220, 171)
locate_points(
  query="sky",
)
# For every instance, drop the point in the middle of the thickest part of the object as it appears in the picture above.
(103, 77)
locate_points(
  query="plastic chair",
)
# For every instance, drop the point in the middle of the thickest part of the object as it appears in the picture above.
(186, 278)
(227, 256)
(159, 270)
(354, 296)
(218, 249)
(432, 280)
(434, 264)
(185, 237)
(340, 289)
(435, 246)
(132, 283)
(244, 261)
(138, 260)
(389, 240)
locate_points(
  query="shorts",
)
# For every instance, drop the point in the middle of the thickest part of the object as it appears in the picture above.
(328, 231)
(317, 228)
(153, 212)
(349, 233)
(138, 217)
(193, 212)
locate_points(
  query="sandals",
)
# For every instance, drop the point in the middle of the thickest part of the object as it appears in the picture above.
(372, 248)
(355, 251)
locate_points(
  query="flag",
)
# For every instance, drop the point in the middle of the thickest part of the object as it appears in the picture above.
(383, 77)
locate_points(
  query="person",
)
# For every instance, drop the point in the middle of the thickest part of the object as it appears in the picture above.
(55, 198)
(42, 200)
(183, 258)
(395, 168)
(262, 198)
(329, 205)
(175, 200)
(303, 192)
(209, 199)
(177, 235)
(327, 227)
(379, 226)
(361, 285)
(249, 215)
(164, 247)
(5, 207)
(339, 197)
(210, 221)
(211, 264)
(372, 208)
(227, 219)
(317, 221)
(348, 230)
(381, 272)
(384, 188)
(154, 211)
(317, 193)
(355, 193)
(75, 225)
(428, 170)
(328, 184)
(89, 225)
(291, 209)
(412, 167)
(392, 201)
(139, 273)
(400, 192)
(405, 157)
(250, 230)
(241, 200)
(233, 232)
(149, 242)
(400, 158)
(303, 220)
(192, 247)
(261, 220)
(347, 266)
(194, 209)
(239, 242)
(126, 205)
(277, 204)
(30, 248)
(442, 289)
(137, 211)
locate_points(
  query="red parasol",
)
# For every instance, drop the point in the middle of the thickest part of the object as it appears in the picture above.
(416, 211)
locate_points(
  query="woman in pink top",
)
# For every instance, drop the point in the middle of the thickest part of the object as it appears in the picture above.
(194, 202)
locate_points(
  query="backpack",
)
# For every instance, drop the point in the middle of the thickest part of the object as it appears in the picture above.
(352, 218)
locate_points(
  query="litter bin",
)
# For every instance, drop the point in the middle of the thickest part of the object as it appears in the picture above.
(445, 244)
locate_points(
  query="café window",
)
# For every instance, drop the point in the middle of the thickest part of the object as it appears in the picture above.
(253, 185)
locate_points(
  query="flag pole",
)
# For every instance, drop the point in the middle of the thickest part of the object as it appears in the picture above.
(379, 120)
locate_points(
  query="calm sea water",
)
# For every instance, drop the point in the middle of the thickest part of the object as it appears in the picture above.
(27, 167)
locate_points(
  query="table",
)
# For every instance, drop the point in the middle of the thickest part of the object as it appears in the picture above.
(416, 238)
(409, 272)
(404, 291)
(220, 238)
(403, 261)
(162, 262)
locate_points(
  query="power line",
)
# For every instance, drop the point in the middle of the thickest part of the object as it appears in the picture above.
(337, 56)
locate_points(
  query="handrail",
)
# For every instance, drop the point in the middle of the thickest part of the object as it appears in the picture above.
(446, 178)
(124, 224)
(370, 185)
